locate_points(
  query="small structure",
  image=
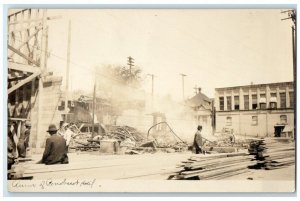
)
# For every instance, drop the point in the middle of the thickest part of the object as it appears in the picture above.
(202, 107)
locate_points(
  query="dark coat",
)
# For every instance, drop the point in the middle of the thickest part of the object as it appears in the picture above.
(11, 153)
(23, 143)
(55, 150)
(198, 139)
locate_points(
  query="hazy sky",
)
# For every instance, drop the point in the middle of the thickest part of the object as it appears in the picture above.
(214, 48)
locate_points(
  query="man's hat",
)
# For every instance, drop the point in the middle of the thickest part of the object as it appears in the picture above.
(27, 124)
(52, 127)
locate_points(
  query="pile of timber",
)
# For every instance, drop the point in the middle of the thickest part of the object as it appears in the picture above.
(273, 153)
(215, 166)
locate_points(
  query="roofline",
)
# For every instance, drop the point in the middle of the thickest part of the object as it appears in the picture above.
(257, 85)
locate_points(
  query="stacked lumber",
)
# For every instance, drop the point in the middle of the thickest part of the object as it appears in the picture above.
(215, 166)
(273, 153)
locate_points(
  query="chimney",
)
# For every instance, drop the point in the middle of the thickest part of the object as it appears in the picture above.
(199, 90)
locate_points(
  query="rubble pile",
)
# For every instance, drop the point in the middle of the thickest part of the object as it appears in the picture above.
(273, 153)
(130, 141)
(122, 133)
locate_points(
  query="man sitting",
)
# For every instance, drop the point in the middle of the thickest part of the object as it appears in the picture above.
(55, 149)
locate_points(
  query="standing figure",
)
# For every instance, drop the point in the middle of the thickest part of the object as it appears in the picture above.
(11, 146)
(23, 143)
(198, 140)
(55, 149)
(66, 133)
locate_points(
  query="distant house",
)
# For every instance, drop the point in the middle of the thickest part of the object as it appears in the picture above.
(202, 107)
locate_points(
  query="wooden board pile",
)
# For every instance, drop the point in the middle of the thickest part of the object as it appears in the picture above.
(273, 153)
(215, 166)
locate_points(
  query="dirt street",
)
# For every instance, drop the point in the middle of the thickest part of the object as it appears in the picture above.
(156, 166)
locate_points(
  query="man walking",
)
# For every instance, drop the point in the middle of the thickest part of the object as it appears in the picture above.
(23, 143)
(198, 140)
(55, 149)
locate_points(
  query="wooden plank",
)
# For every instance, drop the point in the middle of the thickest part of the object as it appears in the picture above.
(21, 83)
(212, 161)
(34, 20)
(25, 28)
(217, 171)
(214, 156)
(13, 12)
(23, 67)
(215, 166)
(22, 55)
(18, 119)
(229, 174)
(25, 42)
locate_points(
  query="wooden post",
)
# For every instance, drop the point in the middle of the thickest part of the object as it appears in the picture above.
(68, 68)
(93, 118)
(43, 68)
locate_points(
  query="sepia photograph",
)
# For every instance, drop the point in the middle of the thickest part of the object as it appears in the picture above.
(150, 100)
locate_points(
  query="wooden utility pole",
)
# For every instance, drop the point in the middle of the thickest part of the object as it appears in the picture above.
(130, 64)
(68, 70)
(93, 117)
(43, 67)
(292, 16)
(182, 76)
(152, 89)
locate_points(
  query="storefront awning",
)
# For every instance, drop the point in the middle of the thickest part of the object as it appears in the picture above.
(262, 100)
(273, 99)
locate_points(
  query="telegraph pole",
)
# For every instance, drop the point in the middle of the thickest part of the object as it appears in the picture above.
(152, 88)
(130, 63)
(292, 16)
(94, 102)
(182, 77)
(68, 69)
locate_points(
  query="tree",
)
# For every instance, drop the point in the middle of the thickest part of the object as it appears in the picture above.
(116, 80)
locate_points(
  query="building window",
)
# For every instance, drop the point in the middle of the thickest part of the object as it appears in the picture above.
(228, 121)
(262, 105)
(246, 102)
(254, 121)
(254, 101)
(273, 105)
(262, 101)
(228, 102)
(283, 119)
(282, 100)
(221, 103)
(291, 99)
(273, 101)
(236, 102)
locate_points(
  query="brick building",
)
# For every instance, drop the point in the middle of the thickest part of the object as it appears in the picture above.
(256, 110)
